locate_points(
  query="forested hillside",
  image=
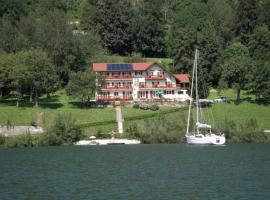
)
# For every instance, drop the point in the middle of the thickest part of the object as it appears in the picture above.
(46, 43)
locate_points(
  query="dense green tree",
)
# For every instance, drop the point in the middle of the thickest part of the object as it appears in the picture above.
(148, 30)
(82, 85)
(57, 41)
(88, 12)
(236, 68)
(193, 29)
(43, 76)
(246, 19)
(259, 44)
(222, 16)
(263, 13)
(259, 81)
(13, 10)
(114, 24)
(5, 73)
(8, 35)
(20, 75)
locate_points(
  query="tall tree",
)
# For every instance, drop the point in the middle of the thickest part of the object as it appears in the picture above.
(43, 75)
(148, 30)
(236, 67)
(222, 16)
(259, 82)
(259, 43)
(114, 24)
(82, 85)
(246, 19)
(193, 29)
(88, 12)
(20, 75)
(5, 73)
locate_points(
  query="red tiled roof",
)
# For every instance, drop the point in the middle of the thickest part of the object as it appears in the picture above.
(99, 67)
(141, 66)
(102, 67)
(183, 78)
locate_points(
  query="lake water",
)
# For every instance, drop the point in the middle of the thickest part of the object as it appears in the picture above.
(235, 171)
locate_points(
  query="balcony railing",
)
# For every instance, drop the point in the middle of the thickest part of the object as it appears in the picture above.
(118, 77)
(160, 86)
(125, 87)
(112, 98)
(155, 77)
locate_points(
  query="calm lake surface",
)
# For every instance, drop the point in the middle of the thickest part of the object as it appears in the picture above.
(234, 171)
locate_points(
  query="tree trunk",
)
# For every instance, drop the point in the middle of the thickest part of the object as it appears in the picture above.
(31, 94)
(18, 102)
(1, 94)
(19, 96)
(238, 95)
(36, 98)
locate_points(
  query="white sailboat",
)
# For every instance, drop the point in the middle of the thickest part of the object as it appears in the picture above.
(202, 133)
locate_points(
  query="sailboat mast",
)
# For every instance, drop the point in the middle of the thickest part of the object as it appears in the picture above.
(191, 95)
(196, 85)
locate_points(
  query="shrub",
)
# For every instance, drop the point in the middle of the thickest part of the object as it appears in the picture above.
(2, 139)
(144, 106)
(136, 105)
(249, 131)
(158, 130)
(154, 107)
(24, 140)
(33, 123)
(63, 131)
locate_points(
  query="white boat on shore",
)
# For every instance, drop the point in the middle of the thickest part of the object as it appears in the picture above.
(202, 133)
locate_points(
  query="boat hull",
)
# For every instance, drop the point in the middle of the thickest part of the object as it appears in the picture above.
(206, 139)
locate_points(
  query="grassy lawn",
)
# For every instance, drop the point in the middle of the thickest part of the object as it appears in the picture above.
(103, 120)
(61, 104)
(230, 93)
(240, 113)
(219, 112)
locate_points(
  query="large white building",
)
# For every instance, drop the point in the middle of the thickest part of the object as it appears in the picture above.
(139, 81)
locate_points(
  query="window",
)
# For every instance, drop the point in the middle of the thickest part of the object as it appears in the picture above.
(116, 94)
(180, 92)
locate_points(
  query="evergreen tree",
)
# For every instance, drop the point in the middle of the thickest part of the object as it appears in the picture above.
(246, 19)
(114, 24)
(259, 44)
(148, 30)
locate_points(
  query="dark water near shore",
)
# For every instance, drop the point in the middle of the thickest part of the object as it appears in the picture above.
(236, 171)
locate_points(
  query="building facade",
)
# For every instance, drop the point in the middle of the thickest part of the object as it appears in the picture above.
(139, 81)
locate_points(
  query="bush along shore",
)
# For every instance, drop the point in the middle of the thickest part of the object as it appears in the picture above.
(167, 127)
(172, 129)
(63, 131)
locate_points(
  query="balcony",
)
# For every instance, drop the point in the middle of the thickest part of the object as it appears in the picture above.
(155, 77)
(116, 87)
(168, 86)
(118, 77)
(113, 98)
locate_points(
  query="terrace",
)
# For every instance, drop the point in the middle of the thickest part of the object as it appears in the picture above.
(118, 77)
(111, 87)
(155, 77)
(112, 98)
(144, 86)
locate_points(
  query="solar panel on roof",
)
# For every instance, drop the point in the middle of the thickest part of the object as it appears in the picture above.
(119, 67)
